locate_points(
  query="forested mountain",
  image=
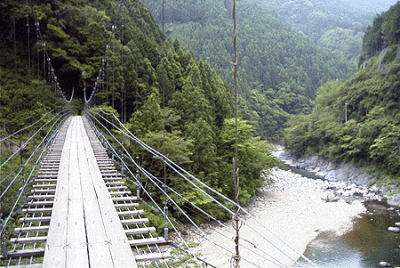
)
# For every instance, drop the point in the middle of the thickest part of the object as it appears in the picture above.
(335, 25)
(359, 120)
(280, 69)
(161, 85)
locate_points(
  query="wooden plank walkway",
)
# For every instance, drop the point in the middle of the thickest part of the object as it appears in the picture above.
(85, 229)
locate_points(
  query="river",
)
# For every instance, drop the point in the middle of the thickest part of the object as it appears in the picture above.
(367, 244)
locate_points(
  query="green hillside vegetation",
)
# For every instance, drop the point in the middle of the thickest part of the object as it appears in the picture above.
(337, 26)
(370, 103)
(280, 69)
(345, 43)
(151, 79)
(316, 17)
(384, 33)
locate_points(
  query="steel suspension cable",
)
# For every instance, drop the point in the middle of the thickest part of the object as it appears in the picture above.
(29, 181)
(144, 189)
(181, 171)
(151, 177)
(22, 166)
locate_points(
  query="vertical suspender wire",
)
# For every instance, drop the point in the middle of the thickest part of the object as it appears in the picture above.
(29, 40)
(113, 66)
(15, 49)
(123, 119)
(37, 48)
(236, 258)
(44, 61)
(163, 118)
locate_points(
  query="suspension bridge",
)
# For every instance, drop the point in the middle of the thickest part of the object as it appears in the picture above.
(80, 200)
(80, 213)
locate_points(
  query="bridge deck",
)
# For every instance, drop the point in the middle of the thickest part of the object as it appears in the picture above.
(85, 229)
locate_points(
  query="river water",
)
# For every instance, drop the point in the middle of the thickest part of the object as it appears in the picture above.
(367, 244)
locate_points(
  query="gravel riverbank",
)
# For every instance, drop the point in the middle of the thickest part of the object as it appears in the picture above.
(295, 209)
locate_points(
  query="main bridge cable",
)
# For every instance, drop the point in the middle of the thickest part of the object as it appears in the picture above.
(101, 76)
(151, 177)
(181, 173)
(51, 74)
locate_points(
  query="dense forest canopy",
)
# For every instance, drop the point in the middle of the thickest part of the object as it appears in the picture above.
(338, 26)
(384, 33)
(358, 120)
(171, 100)
(280, 69)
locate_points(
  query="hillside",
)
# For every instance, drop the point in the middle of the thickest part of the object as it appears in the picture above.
(280, 69)
(338, 26)
(358, 120)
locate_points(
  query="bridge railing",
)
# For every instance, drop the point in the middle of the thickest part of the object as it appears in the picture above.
(20, 157)
(163, 197)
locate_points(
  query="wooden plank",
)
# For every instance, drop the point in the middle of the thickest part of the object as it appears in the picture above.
(120, 193)
(145, 230)
(25, 266)
(124, 198)
(37, 210)
(112, 178)
(77, 253)
(114, 183)
(130, 213)
(126, 205)
(36, 239)
(121, 187)
(26, 252)
(31, 229)
(39, 197)
(45, 180)
(147, 241)
(99, 253)
(40, 203)
(135, 221)
(153, 257)
(55, 251)
(47, 176)
(35, 219)
(44, 186)
(46, 191)
(118, 244)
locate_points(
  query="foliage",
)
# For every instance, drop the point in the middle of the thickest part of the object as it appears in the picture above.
(358, 120)
(370, 136)
(384, 33)
(346, 43)
(279, 68)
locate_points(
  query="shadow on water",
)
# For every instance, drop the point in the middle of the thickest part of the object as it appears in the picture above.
(366, 245)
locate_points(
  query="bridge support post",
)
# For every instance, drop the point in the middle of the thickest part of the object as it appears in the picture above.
(166, 222)
(3, 237)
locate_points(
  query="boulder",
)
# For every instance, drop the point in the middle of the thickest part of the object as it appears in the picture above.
(394, 229)
(384, 264)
